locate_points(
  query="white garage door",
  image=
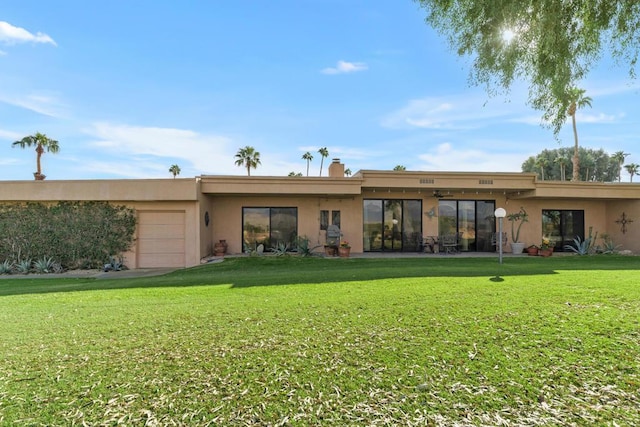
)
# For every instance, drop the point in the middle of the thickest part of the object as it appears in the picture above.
(161, 237)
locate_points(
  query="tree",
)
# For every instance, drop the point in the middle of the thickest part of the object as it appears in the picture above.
(292, 173)
(619, 157)
(562, 163)
(308, 157)
(633, 169)
(595, 164)
(399, 168)
(541, 163)
(577, 100)
(42, 143)
(347, 172)
(324, 153)
(555, 43)
(175, 170)
(248, 157)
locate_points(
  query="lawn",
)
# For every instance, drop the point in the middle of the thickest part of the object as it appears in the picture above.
(309, 341)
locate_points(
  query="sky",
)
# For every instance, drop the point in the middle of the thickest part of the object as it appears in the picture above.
(129, 88)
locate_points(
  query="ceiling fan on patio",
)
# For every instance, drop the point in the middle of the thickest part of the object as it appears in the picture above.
(438, 194)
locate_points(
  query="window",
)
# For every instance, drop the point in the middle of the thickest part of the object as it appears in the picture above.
(324, 220)
(562, 226)
(335, 218)
(269, 227)
(473, 221)
(392, 225)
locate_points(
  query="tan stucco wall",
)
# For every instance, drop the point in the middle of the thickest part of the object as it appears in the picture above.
(226, 214)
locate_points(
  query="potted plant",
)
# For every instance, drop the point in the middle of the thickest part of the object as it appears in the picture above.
(546, 248)
(532, 250)
(344, 250)
(519, 217)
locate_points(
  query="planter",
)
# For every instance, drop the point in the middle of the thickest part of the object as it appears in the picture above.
(532, 251)
(545, 252)
(220, 248)
(517, 247)
(330, 251)
(344, 252)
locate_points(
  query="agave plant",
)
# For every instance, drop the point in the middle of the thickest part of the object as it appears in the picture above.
(46, 265)
(6, 267)
(579, 246)
(24, 266)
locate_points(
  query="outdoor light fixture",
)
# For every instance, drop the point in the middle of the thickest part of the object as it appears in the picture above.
(500, 213)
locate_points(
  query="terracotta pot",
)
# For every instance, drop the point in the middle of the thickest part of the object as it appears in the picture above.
(532, 251)
(220, 248)
(330, 251)
(545, 252)
(344, 252)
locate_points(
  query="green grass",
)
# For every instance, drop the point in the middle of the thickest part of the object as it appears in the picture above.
(310, 341)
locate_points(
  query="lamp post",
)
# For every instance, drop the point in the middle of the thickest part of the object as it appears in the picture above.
(500, 214)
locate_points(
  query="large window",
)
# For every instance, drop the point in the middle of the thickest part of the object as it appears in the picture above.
(269, 227)
(473, 221)
(392, 225)
(562, 226)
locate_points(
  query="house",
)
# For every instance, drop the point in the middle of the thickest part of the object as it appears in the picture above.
(179, 220)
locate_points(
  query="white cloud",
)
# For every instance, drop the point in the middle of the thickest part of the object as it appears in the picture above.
(206, 153)
(344, 67)
(47, 105)
(12, 136)
(445, 157)
(450, 112)
(597, 118)
(11, 35)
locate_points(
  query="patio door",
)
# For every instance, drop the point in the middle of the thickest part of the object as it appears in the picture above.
(471, 219)
(392, 225)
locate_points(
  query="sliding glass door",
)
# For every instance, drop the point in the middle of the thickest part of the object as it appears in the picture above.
(472, 220)
(392, 225)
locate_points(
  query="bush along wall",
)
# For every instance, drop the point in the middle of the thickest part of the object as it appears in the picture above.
(73, 234)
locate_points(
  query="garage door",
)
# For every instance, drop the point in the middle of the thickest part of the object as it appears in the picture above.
(161, 239)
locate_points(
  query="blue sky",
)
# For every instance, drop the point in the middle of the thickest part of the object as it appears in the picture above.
(129, 88)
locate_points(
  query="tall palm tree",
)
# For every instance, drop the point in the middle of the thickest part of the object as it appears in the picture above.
(324, 153)
(400, 168)
(248, 157)
(308, 157)
(541, 162)
(577, 99)
(41, 142)
(175, 170)
(619, 157)
(633, 169)
(562, 162)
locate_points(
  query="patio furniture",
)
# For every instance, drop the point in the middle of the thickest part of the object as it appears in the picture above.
(449, 243)
(430, 244)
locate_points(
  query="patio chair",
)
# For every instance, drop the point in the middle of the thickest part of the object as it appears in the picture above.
(449, 243)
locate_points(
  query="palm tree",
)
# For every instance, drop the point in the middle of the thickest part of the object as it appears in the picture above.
(42, 142)
(308, 157)
(541, 162)
(175, 170)
(292, 173)
(633, 169)
(562, 162)
(248, 157)
(399, 168)
(347, 172)
(324, 153)
(619, 157)
(576, 100)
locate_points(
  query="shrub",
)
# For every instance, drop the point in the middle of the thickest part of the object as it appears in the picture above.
(46, 265)
(78, 234)
(6, 267)
(23, 266)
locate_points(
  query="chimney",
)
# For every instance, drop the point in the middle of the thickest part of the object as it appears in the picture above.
(336, 169)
